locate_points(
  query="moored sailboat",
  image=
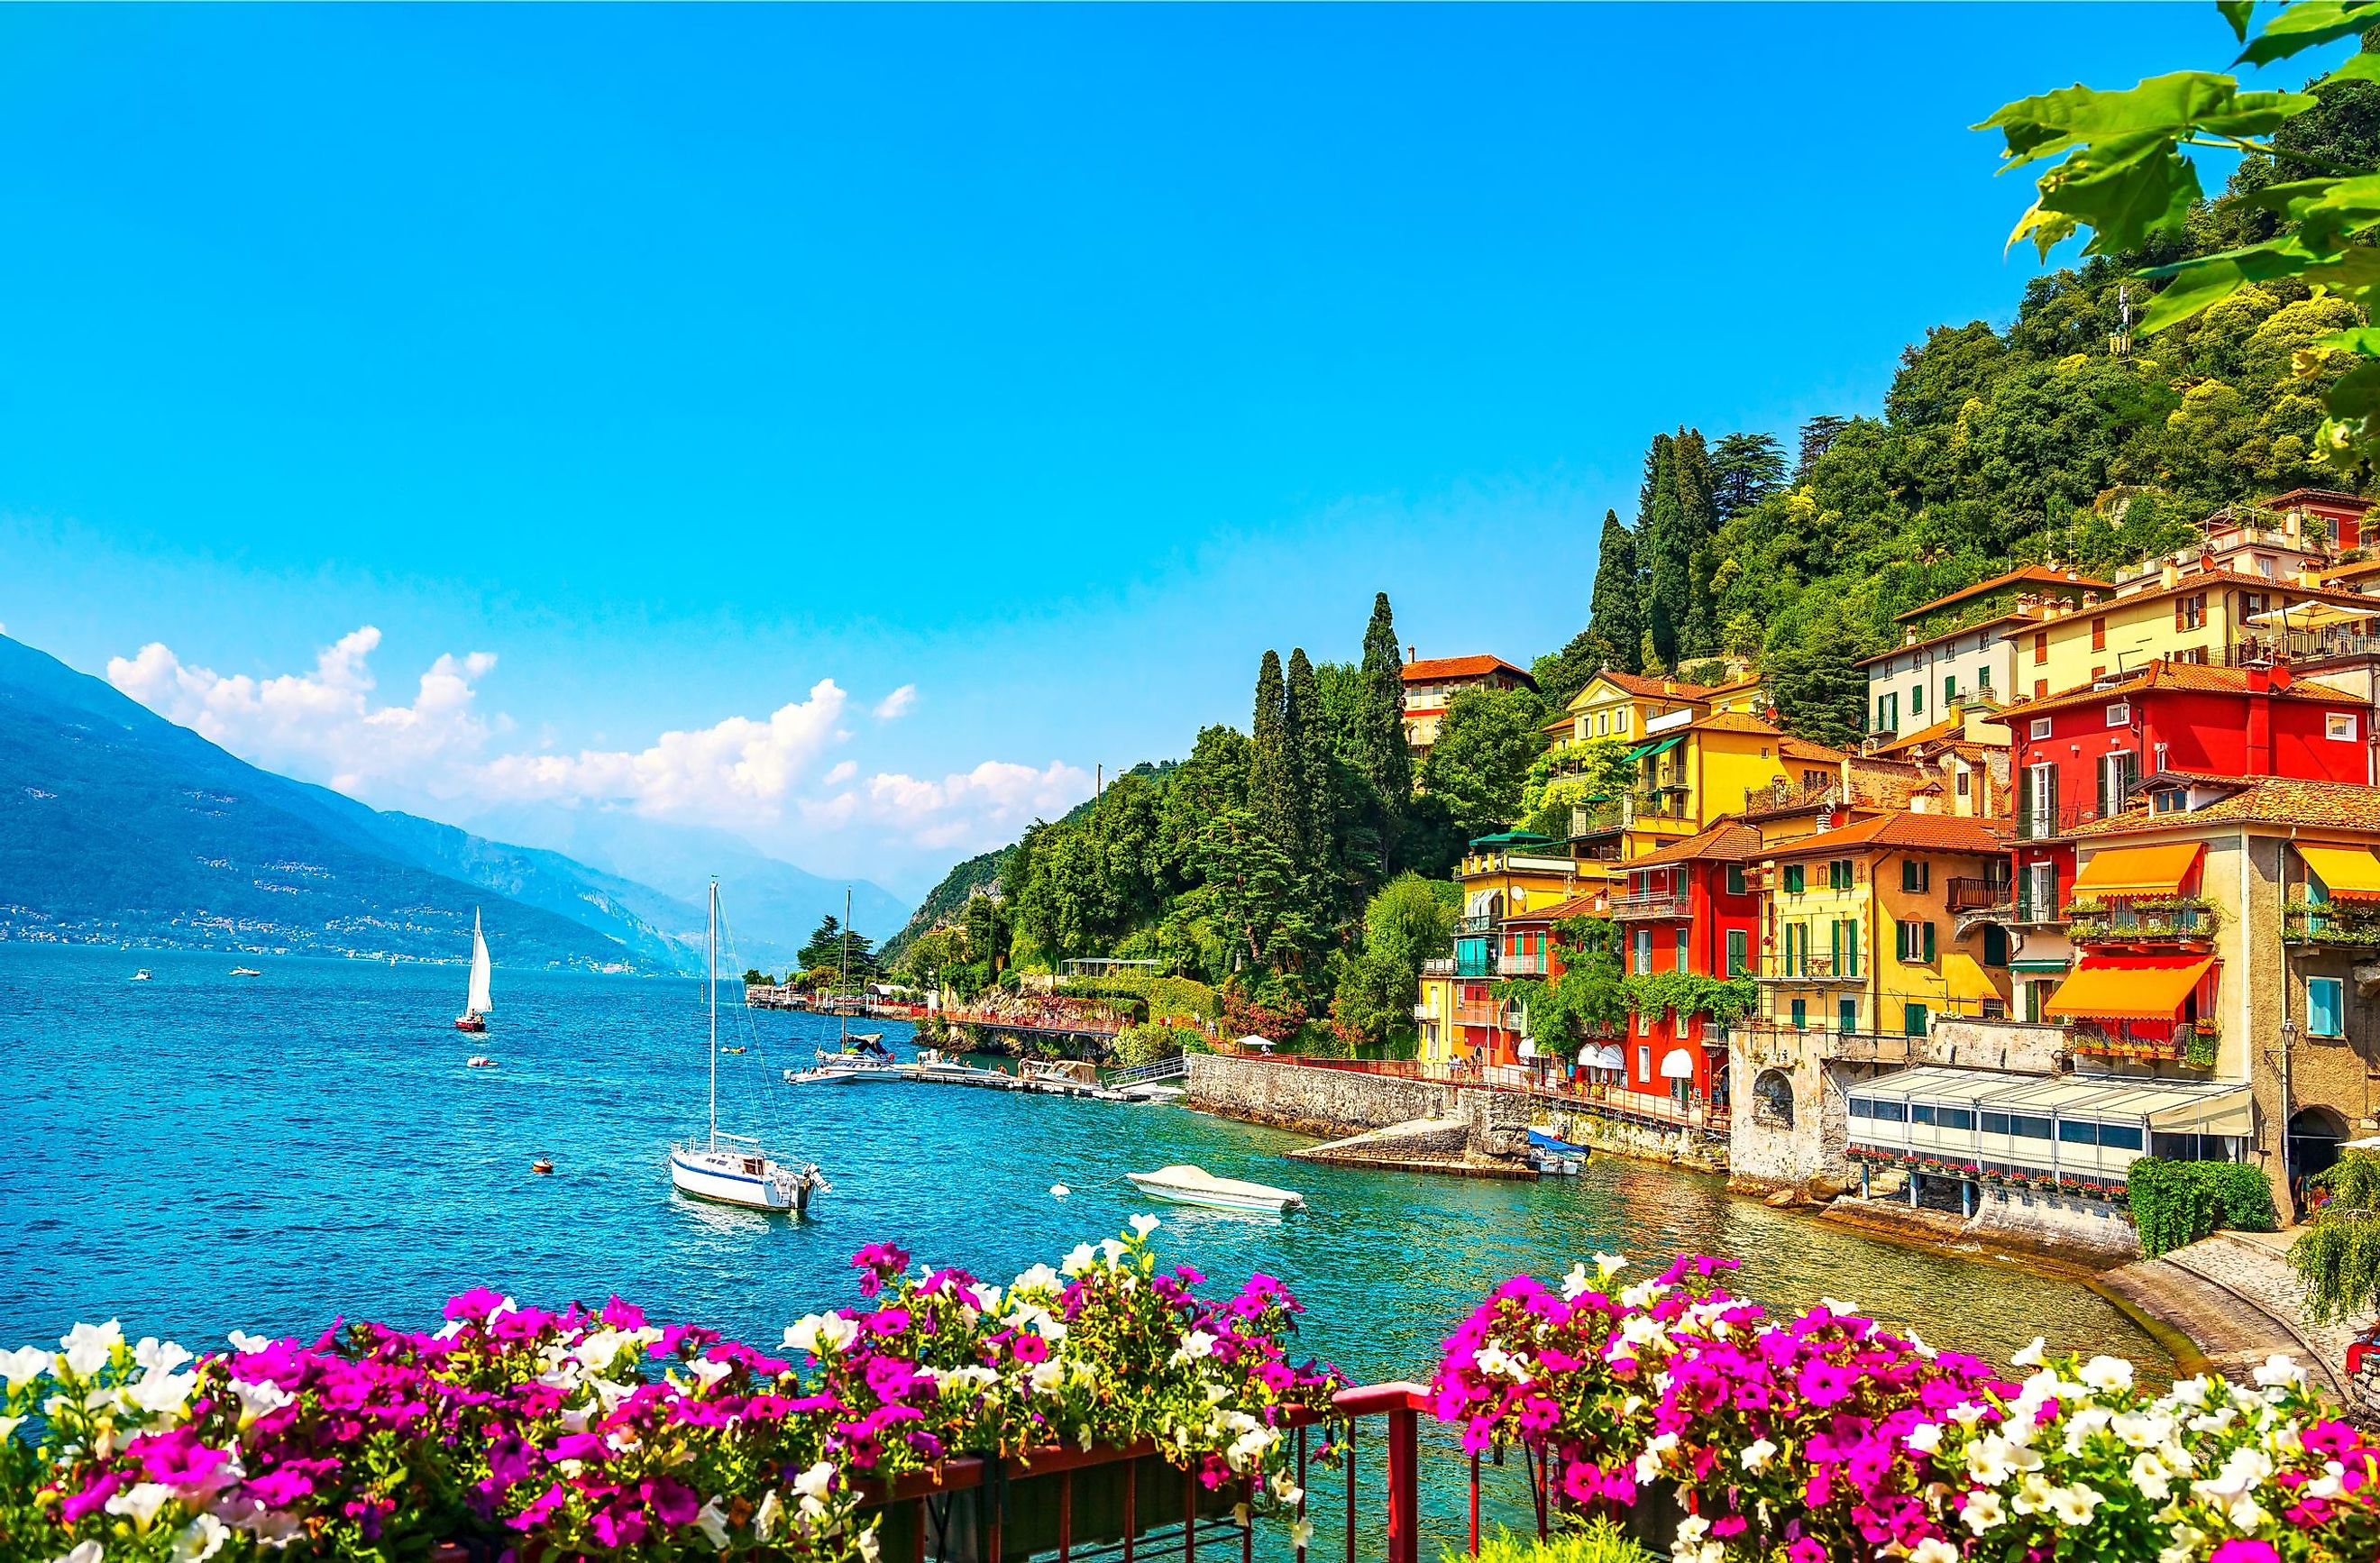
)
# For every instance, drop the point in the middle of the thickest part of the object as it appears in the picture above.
(736, 1168)
(475, 1009)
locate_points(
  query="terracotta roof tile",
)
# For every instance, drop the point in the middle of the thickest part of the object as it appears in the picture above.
(2272, 800)
(1922, 832)
(1729, 840)
(1655, 688)
(2024, 574)
(1734, 722)
(2193, 678)
(1461, 667)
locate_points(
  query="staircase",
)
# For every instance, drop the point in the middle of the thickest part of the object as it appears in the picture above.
(1174, 1066)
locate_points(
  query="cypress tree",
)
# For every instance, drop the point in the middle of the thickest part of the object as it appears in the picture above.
(1387, 762)
(1667, 554)
(1697, 522)
(1308, 770)
(1616, 612)
(1270, 780)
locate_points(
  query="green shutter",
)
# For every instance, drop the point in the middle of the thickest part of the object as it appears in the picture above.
(1929, 943)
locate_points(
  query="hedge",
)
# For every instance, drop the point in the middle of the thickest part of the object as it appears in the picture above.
(2177, 1203)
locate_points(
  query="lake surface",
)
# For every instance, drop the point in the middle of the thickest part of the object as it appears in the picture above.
(201, 1153)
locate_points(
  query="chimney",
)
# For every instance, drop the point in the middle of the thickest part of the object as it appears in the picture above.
(1412, 653)
(2169, 575)
(2090, 599)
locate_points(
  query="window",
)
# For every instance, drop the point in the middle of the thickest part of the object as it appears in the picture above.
(1949, 688)
(1916, 699)
(2326, 1010)
(2076, 1131)
(1916, 874)
(2195, 656)
(1683, 931)
(1846, 1016)
(2041, 727)
(2121, 1136)
(1921, 1112)
(1954, 1118)
(1792, 877)
(2170, 800)
(2265, 565)
(1619, 720)
(2028, 1128)
(1995, 1123)
(1801, 1013)
(1645, 1064)
(1643, 951)
(1915, 942)
(2040, 646)
(1883, 1112)
(2120, 714)
(1735, 879)
(1912, 1016)
(1984, 677)
(1839, 874)
(1643, 1023)
(1739, 953)
(2118, 773)
(2340, 726)
(1843, 937)
(2041, 689)
(1962, 784)
(2098, 671)
(2099, 633)
(1602, 723)
(2158, 761)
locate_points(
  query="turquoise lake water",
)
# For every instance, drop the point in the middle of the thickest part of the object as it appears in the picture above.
(200, 1153)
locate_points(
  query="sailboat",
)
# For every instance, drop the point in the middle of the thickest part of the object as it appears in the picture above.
(475, 1012)
(734, 1169)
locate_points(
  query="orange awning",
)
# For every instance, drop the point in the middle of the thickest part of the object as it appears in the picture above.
(2129, 987)
(2139, 871)
(2348, 873)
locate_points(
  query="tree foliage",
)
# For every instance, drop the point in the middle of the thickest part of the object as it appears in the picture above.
(1480, 760)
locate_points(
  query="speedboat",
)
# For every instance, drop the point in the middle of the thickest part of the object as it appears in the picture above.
(480, 1060)
(1195, 1186)
(246, 971)
(141, 976)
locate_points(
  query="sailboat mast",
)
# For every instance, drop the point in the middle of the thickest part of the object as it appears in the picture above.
(711, 946)
(843, 968)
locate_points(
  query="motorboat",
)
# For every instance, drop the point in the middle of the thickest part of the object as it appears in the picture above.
(734, 1169)
(479, 1060)
(246, 971)
(476, 1006)
(1195, 1185)
(141, 976)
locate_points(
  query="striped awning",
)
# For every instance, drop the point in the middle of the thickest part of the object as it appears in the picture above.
(2348, 873)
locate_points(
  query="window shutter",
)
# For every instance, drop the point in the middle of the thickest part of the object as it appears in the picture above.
(1929, 943)
(1835, 946)
(2105, 772)
(2049, 825)
(2176, 614)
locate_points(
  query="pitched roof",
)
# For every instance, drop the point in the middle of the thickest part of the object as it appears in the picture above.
(1654, 688)
(1801, 749)
(1581, 906)
(2290, 593)
(1947, 727)
(2328, 496)
(1729, 841)
(2270, 800)
(1461, 667)
(2027, 616)
(1921, 832)
(2024, 574)
(2187, 678)
(1734, 722)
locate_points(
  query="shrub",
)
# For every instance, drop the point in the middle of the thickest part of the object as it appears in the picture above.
(1600, 1540)
(1186, 998)
(2177, 1203)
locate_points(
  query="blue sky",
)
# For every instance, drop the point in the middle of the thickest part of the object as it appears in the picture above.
(666, 369)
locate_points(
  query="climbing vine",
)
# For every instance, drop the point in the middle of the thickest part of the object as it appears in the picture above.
(2337, 1254)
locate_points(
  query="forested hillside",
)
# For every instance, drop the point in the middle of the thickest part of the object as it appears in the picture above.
(1267, 863)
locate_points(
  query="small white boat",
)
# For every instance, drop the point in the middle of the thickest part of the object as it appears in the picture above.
(246, 971)
(479, 1060)
(1195, 1186)
(141, 976)
(822, 1075)
(478, 1003)
(1151, 1091)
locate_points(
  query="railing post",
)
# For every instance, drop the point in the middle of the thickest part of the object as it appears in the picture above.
(1404, 1476)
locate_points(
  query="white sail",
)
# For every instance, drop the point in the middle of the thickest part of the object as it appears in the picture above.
(480, 1003)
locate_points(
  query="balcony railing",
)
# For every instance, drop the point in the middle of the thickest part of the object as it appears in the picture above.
(1827, 967)
(1478, 924)
(1510, 964)
(1479, 1012)
(2299, 645)
(1975, 895)
(2141, 919)
(1823, 1041)
(1663, 903)
(2329, 925)
(2193, 1043)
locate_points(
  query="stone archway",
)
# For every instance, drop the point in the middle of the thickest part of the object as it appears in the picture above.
(1772, 1096)
(2316, 1134)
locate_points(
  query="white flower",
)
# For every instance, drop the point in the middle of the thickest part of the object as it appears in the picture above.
(1041, 1278)
(82, 1552)
(2150, 1475)
(22, 1366)
(259, 1399)
(1078, 1261)
(597, 1349)
(155, 1356)
(1925, 1437)
(1285, 1488)
(1111, 1249)
(711, 1521)
(2031, 1356)
(1993, 1459)
(1575, 1284)
(1046, 1376)
(1966, 1413)
(141, 1502)
(1757, 1454)
(1609, 1265)
(1934, 1550)
(2279, 1369)
(1301, 1533)
(2073, 1505)
(769, 1516)
(986, 1298)
(163, 1394)
(1838, 1307)
(242, 1340)
(816, 1482)
(1143, 1225)
(2032, 1494)
(2107, 1373)
(819, 1334)
(88, 1347)
(868, 1546)
(198, 1540)
(1197, 1344)
(1982, 1511)
(707, 1370)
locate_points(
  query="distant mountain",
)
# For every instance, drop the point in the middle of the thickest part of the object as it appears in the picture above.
(772, 908)
(115, 825)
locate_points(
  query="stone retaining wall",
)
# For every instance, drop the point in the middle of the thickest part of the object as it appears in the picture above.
(1329, 1102)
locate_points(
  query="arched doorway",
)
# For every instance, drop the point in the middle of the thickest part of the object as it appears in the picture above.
(1772, 1092)
(2316, 1134)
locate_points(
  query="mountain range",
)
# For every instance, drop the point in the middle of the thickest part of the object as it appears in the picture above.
(118, 826)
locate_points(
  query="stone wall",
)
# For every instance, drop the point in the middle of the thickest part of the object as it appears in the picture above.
(1327, 1102)
(2009, 1047)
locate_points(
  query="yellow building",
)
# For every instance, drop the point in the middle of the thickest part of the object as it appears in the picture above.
(2254, 591)
(1620, 705)
(1859, 925)
(1689, 772)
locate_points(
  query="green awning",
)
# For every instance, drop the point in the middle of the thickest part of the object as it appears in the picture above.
(2041, 965)
(1639, 752)
(1658, 746)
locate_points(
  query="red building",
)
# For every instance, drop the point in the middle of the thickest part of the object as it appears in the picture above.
(1693, 906)
(1431, 683)
(2079, 756)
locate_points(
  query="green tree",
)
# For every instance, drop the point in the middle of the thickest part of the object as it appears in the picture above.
(1409, 920)
(822, 948)
(1615, 612)
(1818, 437)
(1480, 761)
(1585, 998)
(1381, 755)
(1745, 469)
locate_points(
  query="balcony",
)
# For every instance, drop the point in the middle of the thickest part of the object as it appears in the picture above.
(2193, 1044)
(1483, 924)
(1975, 895)
(1829, 967)
(2299, 645)
(1508, 965)
(2142, 919)
(2329, 926)
(1486, 1012)
(1437, 966)
(1650, 903)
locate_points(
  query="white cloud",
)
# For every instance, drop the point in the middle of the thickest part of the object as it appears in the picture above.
(323, 723)
(844, 771)
(896, 704)
(739, 769)
(974, 809)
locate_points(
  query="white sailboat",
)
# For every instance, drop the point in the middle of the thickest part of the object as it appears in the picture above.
(475, 1009)
(734, 1169)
